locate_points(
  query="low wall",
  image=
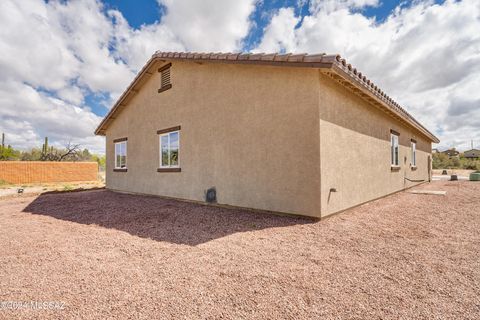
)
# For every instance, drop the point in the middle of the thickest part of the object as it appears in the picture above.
(47, 171)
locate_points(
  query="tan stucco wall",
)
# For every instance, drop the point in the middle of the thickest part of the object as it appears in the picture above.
(250, 131)
(266, 137)
(355, 150)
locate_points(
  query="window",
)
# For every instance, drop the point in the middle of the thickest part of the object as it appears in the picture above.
(394, 149)
(165, 83)
(169, 140)
(121, 154)
(413, 144)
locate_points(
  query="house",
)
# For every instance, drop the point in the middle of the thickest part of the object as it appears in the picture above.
(435, 150)
(292, 133)
(451, 153)
(472, 154)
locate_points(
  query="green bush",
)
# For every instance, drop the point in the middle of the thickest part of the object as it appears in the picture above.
(441, 161)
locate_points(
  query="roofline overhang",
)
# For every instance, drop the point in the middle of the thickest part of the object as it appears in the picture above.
(332, 65)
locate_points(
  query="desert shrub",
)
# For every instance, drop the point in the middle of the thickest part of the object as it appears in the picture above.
(442, 161)
(470, 165)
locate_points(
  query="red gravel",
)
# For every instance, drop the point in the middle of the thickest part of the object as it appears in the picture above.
(110, 255)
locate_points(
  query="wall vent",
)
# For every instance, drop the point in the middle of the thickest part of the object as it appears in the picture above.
(211, 195)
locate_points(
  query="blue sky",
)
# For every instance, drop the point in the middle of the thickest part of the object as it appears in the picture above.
(79, 56)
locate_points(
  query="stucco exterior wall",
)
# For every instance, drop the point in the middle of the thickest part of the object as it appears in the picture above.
(250, 131)
(355, 150)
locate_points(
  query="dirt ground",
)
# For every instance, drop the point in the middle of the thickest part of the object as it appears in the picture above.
(105, 255)
(9, 190)
(460, 172)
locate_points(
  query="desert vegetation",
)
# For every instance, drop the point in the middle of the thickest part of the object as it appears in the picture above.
(70, 152)
(442, 161)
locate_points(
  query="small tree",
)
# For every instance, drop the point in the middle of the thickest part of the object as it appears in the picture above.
(101, 160)
(71, 152)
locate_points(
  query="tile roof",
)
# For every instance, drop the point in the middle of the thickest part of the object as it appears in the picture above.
(333, 65)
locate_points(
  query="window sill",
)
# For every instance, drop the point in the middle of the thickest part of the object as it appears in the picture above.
(168, 86)
(413, 168)
(120, 170)
(169, 169)
(395, 168)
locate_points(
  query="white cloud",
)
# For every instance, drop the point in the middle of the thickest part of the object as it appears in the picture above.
(52, 55)
(426, 56)
(209, 25)
(135, 46)
(280, 33)
(29, 115)
(55, 53)
(333, 5)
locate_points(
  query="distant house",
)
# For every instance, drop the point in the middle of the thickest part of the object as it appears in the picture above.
(435, 150)
(295, 133)
(451, 153)
(472, 154)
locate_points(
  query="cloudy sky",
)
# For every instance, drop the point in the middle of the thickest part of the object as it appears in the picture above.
(64, 63)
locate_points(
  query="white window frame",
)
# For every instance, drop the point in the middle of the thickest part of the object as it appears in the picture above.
(169, 148)
(119, 165)
(394, 157)
(413, 147)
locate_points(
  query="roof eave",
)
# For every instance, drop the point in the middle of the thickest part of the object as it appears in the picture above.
(330, 64)
(131, 89)
(370, 92)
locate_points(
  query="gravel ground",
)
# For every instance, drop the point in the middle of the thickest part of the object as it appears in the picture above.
(106, 255)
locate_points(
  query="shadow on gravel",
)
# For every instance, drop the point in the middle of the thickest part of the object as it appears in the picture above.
(155, 218)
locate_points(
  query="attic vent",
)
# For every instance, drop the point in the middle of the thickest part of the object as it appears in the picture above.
(165, 83)
(165, 78)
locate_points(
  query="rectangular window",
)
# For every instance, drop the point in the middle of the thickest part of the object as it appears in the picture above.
(165, 83)
(394, 149)
(121, 155)
(169, 148)
(414, 153)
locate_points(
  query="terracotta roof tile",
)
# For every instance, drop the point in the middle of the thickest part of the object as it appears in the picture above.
(282, 57)
(296, 57)
(313, 57)
(268, 57)
(243, 56)
(222, 56)
(232, 56)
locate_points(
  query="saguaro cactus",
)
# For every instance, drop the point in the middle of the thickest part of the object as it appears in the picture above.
(45, 146)
(2, 147)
